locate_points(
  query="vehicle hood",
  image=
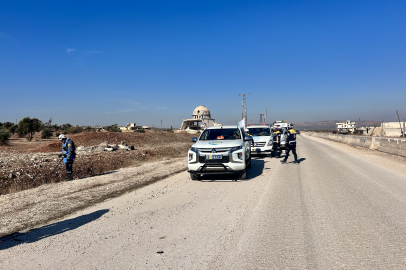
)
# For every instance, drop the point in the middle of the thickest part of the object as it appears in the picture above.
(217, 143)
(261, 138)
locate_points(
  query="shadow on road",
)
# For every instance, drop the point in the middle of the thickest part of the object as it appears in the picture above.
(299, 160)
(257, 166)
(34, 235)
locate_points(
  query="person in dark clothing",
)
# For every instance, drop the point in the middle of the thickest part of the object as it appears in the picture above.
(68, 154)
(290, 146)
(276, 141)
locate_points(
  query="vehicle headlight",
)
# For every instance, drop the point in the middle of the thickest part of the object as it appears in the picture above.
(194, 149)
(232, 149)
(270, 143)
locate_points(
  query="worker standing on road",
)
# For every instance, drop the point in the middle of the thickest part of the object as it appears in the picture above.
(276, 140)
(290, 145)
(68, 154)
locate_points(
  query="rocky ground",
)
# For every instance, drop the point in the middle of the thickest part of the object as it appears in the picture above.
(25, 165)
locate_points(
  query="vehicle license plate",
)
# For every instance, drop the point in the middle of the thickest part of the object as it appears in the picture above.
(258, 150)
(214, 156)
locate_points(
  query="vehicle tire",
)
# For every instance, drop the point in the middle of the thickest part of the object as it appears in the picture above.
(249, 163)
(244, 175)
(195, 177)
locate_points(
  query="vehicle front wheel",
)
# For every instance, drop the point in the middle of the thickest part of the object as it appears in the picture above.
(249, 162)
(244, 175)
(195, 176)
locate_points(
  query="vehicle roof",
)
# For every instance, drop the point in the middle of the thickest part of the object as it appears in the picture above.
(259, 126)
(220, 127)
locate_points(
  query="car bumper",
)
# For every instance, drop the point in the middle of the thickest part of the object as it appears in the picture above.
(261, 150)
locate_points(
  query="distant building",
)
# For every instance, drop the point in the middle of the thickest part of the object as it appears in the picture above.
(392, 129)
(345, 127)
(201, 119)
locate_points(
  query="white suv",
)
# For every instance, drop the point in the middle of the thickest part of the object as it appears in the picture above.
(262, 136)
(220, 150)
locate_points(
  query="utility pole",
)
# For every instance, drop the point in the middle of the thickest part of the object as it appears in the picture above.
(260, 118)
(244, 108)
(382, 129)
(399, 123)
(266, 115)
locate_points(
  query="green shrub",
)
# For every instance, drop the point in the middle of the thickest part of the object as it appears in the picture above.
(113, 128)
(74, 130)
(140, 130)
(4, 135)
(46, 133)
(57, 134)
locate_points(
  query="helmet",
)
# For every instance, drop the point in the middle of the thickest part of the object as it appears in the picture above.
(61, 137)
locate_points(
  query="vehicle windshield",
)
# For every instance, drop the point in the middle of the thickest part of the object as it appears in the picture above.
(259, 131)
(220, 134)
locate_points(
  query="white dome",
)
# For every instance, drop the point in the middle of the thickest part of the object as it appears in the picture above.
(200, 112)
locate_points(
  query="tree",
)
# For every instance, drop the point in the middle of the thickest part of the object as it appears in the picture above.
(7, 125)
(48, 124)
(4, 135)
(29, 126)
(65, 127)
(13, 129)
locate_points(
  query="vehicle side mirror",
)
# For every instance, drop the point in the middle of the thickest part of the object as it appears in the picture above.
(248, 138)
(194, 139)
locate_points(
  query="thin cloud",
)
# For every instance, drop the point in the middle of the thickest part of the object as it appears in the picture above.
(162, 108)
(69, 50)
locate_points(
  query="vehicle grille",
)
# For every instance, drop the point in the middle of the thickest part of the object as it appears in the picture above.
(225, 159)
(209, 150)
(258, 144)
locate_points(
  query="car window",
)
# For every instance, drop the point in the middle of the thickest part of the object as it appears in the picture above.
(221, 134)
(259, 131)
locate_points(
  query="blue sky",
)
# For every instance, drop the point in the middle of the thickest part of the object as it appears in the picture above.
(106, 62)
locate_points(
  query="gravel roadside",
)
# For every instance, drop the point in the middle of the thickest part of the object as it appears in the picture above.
(24, 210)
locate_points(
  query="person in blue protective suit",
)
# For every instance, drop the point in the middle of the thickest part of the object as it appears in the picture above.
(68, 154)
(290, 145)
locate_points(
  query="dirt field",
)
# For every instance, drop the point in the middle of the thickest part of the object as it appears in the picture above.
(25, 165)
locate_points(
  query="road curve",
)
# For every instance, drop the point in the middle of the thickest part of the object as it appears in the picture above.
(335, 210)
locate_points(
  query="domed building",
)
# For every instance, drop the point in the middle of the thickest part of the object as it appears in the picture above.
(201, 119)
(201, 112)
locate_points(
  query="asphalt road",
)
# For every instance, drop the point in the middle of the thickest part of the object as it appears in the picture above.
(335, 210)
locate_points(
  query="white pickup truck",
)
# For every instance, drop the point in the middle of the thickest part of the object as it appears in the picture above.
(262, 139)
(220, 150)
